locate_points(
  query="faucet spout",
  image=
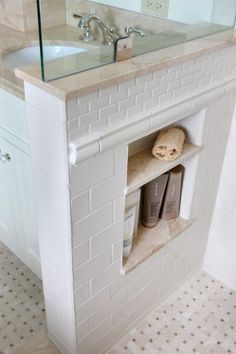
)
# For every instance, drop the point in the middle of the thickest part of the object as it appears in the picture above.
(85, 23)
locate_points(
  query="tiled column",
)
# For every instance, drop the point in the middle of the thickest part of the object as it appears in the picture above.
(48, 141)
(97, 190)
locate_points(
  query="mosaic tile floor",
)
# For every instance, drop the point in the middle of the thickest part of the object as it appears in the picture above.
(22, 313)
(200, 318)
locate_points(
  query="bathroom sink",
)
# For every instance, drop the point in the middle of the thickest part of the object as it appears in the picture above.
(31, 55)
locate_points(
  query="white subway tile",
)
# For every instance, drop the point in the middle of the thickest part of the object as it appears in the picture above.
(82, 294)
(117, 117)
(93, 304)
(92, 224)
(121, 158)
(107, 191)
(78, 110)
(166, 98)
(55, 249)
(53, 201)
(38, 137)
(118, 302)
(92, 172)
(90, 341)
(118, 96)
(98, 125)
(73, 125)
(118, 209)
(99, 103)
(161, 90)
(125, 104)
(117, 251)
(88, 98)
(57, 150)
(88, 118)
(81, 254)
(92, 267)
(48, 144)
(141, 98)
(83, 328)
(165, 79)
(109, 110)
(149, 86)
(182, 73)
(136, 109)
(151, 103)
(104, 278)
(80, 206)
(105, 239)
(136, 89)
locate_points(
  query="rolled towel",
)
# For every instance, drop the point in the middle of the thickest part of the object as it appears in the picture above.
(169, 144)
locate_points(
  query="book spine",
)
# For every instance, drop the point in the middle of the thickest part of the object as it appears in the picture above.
(171, 204)
(153, 193)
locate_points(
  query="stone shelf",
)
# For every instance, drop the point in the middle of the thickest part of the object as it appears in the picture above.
(143, 167)
(149, 241)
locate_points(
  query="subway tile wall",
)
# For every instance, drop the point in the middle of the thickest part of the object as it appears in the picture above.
(48, 143)
(81, 210)
(108, 303)
(105, 107)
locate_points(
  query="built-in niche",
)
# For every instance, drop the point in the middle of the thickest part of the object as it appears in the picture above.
(143, 168)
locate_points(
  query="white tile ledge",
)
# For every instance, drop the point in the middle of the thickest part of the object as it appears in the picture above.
(145, 123)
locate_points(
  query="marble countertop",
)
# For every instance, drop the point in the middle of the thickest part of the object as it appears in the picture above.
(83, 83)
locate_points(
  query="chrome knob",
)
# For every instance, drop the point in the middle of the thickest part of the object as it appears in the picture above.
(4, 157)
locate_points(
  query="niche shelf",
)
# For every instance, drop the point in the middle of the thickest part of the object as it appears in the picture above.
(149, 241)
(143, 167)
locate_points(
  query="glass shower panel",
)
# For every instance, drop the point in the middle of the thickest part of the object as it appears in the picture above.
(63, 52)
(188, 21)
(64, 47)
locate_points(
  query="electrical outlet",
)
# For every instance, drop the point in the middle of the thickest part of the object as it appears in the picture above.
(156, 7)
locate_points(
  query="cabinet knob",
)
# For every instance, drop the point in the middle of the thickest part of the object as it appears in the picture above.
(4, 157)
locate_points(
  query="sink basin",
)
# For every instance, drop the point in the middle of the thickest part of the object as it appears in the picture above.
(31, 55)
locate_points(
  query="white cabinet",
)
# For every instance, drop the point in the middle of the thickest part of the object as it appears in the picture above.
(18, 223)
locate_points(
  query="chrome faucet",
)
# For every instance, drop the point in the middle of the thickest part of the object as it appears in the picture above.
(84, 23)
(129, 30)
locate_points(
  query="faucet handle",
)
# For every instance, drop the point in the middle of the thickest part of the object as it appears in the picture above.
(77, 16)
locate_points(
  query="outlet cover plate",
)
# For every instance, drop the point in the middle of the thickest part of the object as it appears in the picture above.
(156, 7)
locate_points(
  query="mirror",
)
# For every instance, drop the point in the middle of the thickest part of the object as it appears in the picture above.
(190, 12)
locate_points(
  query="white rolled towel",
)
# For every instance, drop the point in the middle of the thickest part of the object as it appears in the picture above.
(169, 144)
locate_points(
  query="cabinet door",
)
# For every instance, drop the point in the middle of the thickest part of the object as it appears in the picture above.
(8, 227)
(17, 207)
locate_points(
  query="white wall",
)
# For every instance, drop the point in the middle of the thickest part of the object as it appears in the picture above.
(224, 12)
(190, 11)
(220, 259)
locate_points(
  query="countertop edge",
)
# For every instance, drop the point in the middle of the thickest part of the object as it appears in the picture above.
(123, 71)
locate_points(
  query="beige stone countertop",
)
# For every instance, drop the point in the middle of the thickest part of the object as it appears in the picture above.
(85, 82)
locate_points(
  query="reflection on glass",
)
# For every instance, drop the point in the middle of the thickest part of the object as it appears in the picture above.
(71, 43)
(64, 50)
